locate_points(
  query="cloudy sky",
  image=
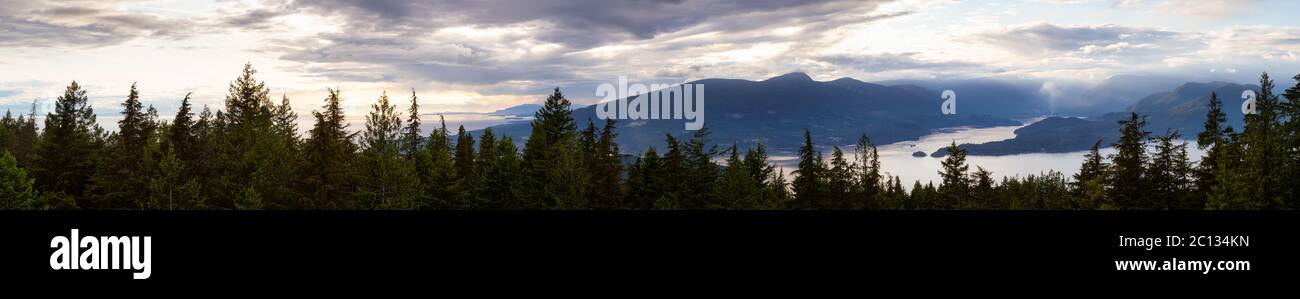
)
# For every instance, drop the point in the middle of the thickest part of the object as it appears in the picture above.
(463, 55)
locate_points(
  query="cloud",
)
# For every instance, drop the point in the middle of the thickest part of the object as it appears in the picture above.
(892, 62)
(577, 23)
(80, 24)
(1189, 8)
(513, 46)
(1048, 39)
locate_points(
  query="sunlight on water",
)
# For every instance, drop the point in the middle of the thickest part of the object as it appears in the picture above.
(896, 159)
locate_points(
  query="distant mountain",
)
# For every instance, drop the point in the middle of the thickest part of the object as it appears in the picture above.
(519, 110)
(1002, 98)
(1182, 109)
(1023, 98)
(775, 110)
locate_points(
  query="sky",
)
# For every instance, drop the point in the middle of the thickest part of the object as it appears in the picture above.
(483, 55)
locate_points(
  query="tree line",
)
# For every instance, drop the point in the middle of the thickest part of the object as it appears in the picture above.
(250, 155)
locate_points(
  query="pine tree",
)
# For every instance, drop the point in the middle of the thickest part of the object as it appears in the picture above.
(122, 180)
(809, 182)
(1169, 175)
(673, 181)
(17, 191)
(606, 168)
(779, 188)
(498, 168)
(463, 161)
(68, 151)
(736, 189)
(411, 139)
(646, 181)
(181, 134)
(254, 152)
(9, 127)
(982, 194)
(25, 138)
(328, 180)
(1291, 136)
(553, 174)
(170, 189)
(437, 172)
(701, 172)
(869, 189)
(1259, 182)
(839, 182)
(1211, 140)
(1126, 182)
(388, 181)
(1093, 168)
(764, 176)
(956, 184)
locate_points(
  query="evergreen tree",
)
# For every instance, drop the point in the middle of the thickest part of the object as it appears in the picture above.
(1125, 180)
(122, 180)
(411, 139)
(437, 172)
(182, 136)
(553, 174)
(1259, 182)
(1211, 140)
(764, 176)
(498, 170)
(68, 151)
(869, 189)
(328, 179)
(463, 162)
(779, 189)
(25, 134)
(956, 185)
(1170, 175)
(839, 182)
(646, 181)
(1291, 137)
(734, 189)
(809, 182)
(701, 172)
(17, 191)
(606, 168)
(254, 152)
(982, 194)
(388, 181)
(1093, 168)
(170, 189)
(9, 127)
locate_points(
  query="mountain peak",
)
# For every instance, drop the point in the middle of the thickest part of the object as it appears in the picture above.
(795, 76)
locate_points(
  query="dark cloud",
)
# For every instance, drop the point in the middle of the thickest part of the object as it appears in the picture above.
(544, 41)
(579, 23)
(79, 24)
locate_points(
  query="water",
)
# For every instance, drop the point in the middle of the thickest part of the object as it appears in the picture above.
(896, 159)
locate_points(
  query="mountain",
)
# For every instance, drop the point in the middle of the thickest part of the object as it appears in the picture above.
(1002, 98)
(775, 110)
(1024, 98)
(1182, 109)
(519, 110)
